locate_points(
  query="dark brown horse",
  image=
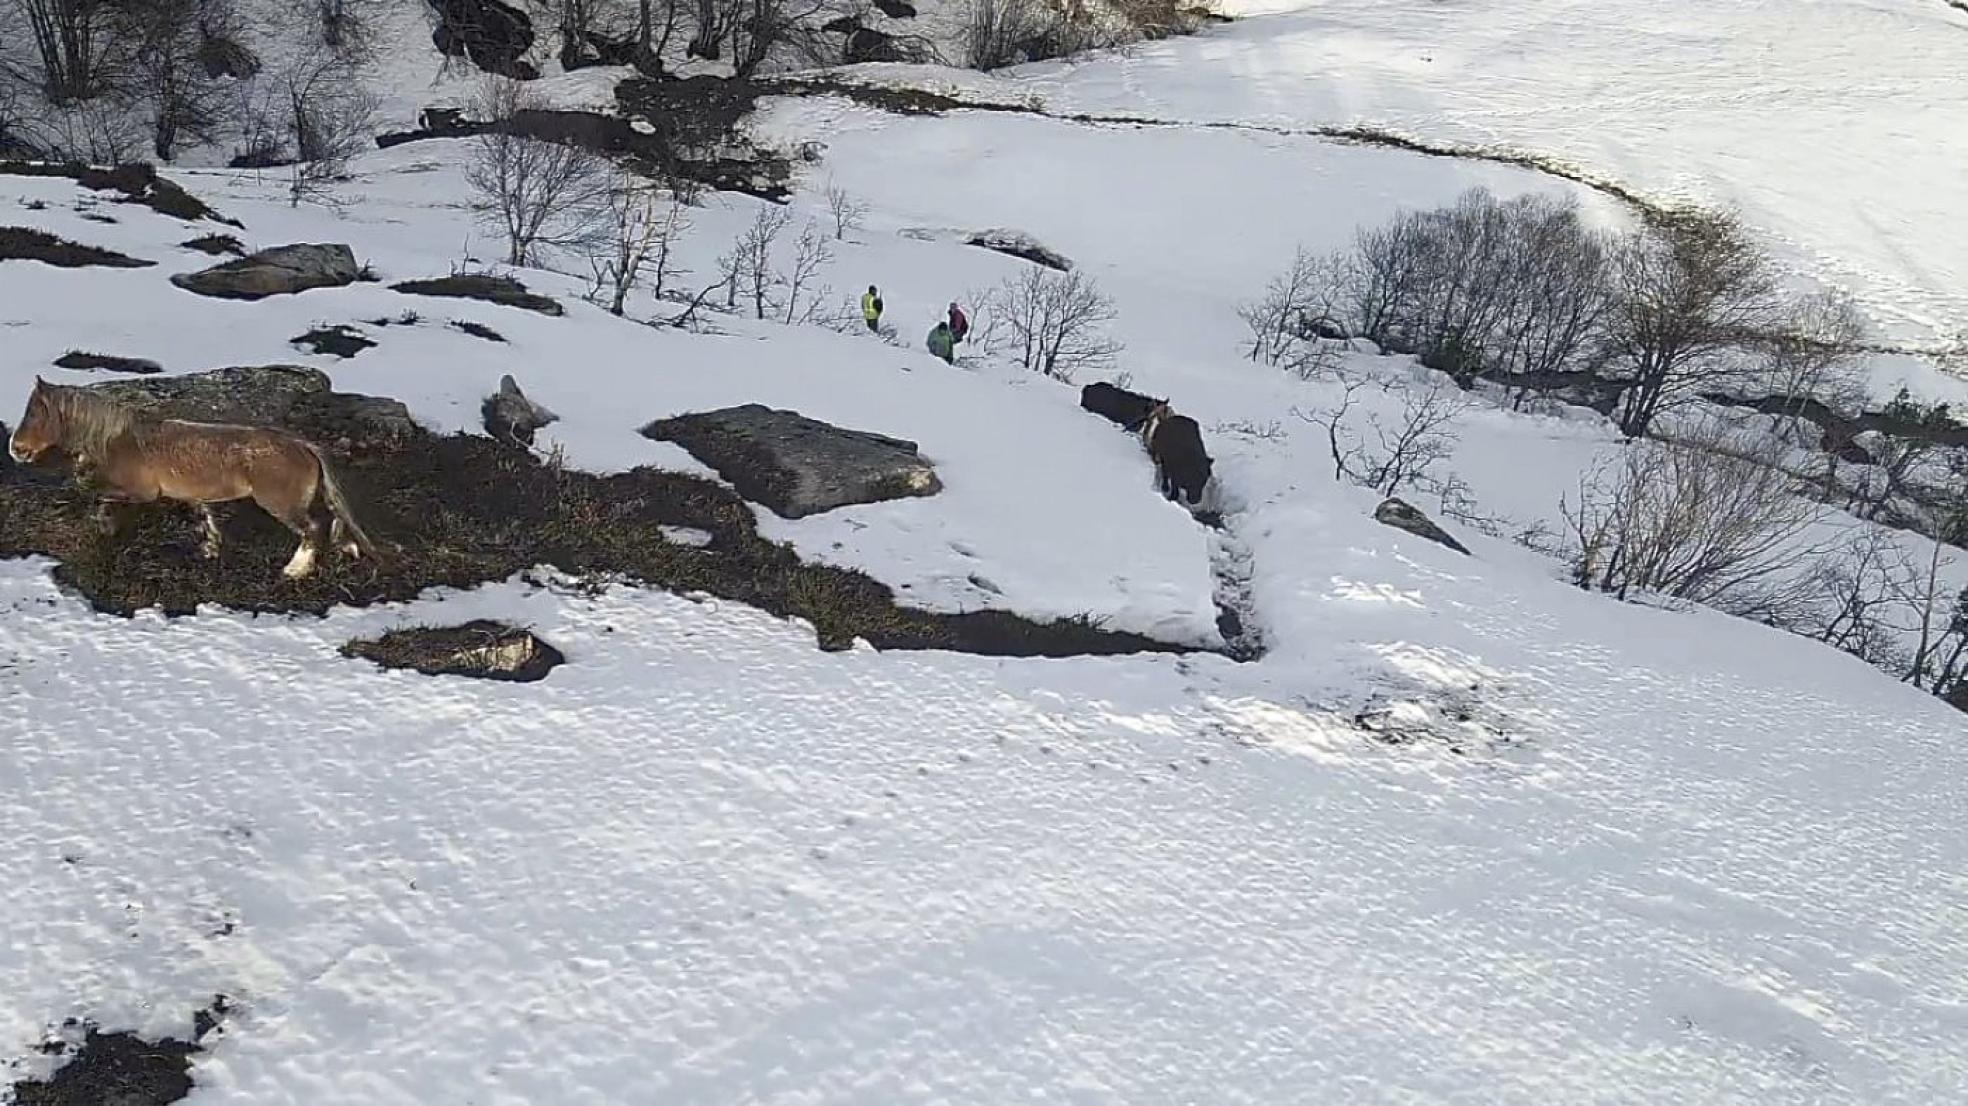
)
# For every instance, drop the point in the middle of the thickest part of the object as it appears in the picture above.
(1175, 442)
(135, 459)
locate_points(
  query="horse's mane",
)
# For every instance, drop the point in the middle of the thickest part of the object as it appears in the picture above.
(89, 422)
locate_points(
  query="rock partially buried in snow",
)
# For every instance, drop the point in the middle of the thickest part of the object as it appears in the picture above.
(1020, 245)
(511, 417)
(282, 270)
(482, 286)
(1402, 515)
(798, 466)
(481, 649)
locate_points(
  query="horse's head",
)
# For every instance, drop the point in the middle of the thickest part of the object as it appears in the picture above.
(40, 428)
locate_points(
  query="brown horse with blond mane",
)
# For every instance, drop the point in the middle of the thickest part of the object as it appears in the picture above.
(136, 459)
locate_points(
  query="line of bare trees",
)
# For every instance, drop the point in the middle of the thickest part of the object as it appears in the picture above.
(1524, 293)
(120, 76)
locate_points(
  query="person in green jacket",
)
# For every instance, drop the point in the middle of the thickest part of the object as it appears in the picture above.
(943, 344)
(871, 308)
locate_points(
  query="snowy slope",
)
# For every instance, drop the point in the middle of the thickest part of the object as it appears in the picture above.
(1834, 125)
(1615, 855)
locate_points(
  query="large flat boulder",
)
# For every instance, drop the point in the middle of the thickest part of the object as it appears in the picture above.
(282, 270)
(258, 395)
(265, 395)
(797, 466)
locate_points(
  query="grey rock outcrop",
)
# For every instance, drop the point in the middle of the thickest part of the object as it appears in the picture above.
(282, 270)
(510, 416)
(1402, 515)
(797, 466)
(258, 395)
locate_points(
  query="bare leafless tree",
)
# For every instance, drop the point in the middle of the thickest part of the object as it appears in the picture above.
(72, 41)
(327, 114)
(1710, 519)
(998, 33)
(848, 212)
(346, 26)
(1813, 356)
(1690, 291)
(1334, 421)
(169, 39)
(1410, 448)
(1859, 598)
(803, 294)
(1293, 326)
(1055, 323)
(748, 265)
(92, 132)
(538, 193)
(1402, 452)
(643, 228)
(1485, 287)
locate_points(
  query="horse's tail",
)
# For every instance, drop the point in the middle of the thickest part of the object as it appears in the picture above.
(338, 504)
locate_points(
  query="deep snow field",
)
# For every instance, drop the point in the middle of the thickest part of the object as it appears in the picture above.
(1626, 855)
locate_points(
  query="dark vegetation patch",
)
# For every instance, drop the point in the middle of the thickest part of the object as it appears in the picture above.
(1939, 427)
(99, 217)
(1022, 246)
(501, 290)
(341, 341)
(28, 244)
(106, 362)
(481, 648)
(478, 330)
(407, 318)
(463, 510)
(896, 101)
(120, 1068)
(218, 245)
(492, 35)
(684, 129)
(136, 184)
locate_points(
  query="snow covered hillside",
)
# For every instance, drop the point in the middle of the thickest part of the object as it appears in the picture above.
(1462, 833)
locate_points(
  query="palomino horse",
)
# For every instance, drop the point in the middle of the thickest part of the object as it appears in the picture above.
(135, 459)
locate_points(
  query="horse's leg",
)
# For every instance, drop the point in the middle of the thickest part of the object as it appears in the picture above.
(298, 517)
(301, 564)
(338, 538)
(114, 507)
(210, 550)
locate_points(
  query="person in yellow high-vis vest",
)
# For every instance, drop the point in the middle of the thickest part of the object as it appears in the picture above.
(871, 308)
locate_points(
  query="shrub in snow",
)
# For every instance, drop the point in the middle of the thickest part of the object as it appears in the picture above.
(1054, 323)
(1711, 518)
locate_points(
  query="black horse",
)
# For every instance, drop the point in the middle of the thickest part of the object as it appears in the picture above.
(1175, 442)
(1129, 409)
